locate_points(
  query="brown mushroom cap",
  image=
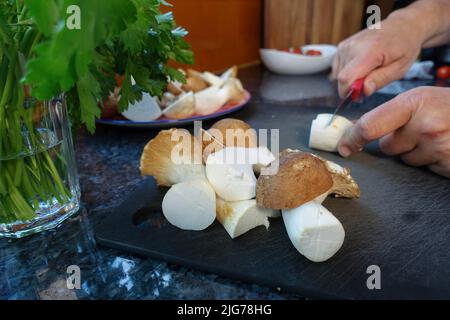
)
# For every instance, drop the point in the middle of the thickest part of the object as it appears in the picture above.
(301, 177)
(239, 138)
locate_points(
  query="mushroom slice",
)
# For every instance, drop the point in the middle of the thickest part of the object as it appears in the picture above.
(190, 205)
(235, 90)
(212, 79)
(174, 87)
(301, 177)
(183, 107)
(230, 172)
(314, 231)
(210, 100)
(238, 217)
(194, 84)
(230, 73)
(166, 99)
(173, 156)
(325, 136)
(146, 109)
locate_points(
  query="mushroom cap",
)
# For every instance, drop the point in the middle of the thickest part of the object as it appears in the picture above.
(238, 138)
(301, 177)
(157, 161)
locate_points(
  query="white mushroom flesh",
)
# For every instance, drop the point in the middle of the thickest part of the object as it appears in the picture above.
(325, 135)
(190, 205)
(314, 231)
(238, 217)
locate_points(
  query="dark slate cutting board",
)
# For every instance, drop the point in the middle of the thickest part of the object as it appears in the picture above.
(401, 223)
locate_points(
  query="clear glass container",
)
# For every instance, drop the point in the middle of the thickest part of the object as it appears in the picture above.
(39, 186)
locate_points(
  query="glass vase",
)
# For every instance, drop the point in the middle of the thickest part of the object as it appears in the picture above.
(39, 186)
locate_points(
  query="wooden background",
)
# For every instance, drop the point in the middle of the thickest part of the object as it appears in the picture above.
(298, 22)
(227, 32)
(221, 32)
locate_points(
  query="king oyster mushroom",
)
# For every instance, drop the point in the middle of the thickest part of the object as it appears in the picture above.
(173, 156)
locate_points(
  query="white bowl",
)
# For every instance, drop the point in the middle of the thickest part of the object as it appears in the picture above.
(296, 64)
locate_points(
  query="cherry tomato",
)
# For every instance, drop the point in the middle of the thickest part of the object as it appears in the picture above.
(443, 72)
(293, 50)
(312, 52)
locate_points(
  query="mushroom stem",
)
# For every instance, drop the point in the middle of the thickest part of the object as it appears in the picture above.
(313, 230)
(325, 135)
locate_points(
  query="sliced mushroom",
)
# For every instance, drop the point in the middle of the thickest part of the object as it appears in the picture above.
(182, 107)
(325, 135)
(173, 156)
(230, 173)
(174, 88)
(230, 73)
(212, 79)
(235, 90)
(147, 109)
(210, 100)
(194, 84)
(190, 205)
(238, 217)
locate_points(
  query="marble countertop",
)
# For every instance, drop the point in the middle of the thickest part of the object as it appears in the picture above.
(36, 267)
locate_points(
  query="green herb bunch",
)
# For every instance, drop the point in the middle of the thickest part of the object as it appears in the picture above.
(44, 53)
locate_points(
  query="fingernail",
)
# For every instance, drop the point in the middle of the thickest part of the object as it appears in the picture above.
(371, 87)
(344, 151)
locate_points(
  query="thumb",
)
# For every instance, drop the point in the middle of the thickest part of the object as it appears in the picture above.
(380, 121)
(382, 76)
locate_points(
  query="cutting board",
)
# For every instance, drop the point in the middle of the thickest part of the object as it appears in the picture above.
(401, 224)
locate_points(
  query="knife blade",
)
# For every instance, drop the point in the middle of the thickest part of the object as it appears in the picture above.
(354, 94)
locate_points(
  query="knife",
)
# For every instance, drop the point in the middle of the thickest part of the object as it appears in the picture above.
(354, 94)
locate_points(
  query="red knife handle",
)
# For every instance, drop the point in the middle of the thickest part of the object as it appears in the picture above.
(357, 89)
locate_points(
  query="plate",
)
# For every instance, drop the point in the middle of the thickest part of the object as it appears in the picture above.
(296, 64)
(164, 122)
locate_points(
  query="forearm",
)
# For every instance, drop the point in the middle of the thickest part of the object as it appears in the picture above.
(429, 20)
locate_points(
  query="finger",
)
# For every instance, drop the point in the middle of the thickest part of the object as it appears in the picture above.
(419, 156)
(355, 69)
(379, 122)
(382, 76)
(335, 68)
(441, 168)
(400, 141)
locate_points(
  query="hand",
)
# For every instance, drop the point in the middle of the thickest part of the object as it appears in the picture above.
(381, 56)
(414, 125)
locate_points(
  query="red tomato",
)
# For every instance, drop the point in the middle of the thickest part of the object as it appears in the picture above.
(293, 50)
(443, 72)
(312, 52)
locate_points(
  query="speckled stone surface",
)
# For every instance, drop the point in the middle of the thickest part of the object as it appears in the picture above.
(35, 267)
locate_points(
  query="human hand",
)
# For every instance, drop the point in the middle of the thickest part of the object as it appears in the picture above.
(381, 56)
(414, 125)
